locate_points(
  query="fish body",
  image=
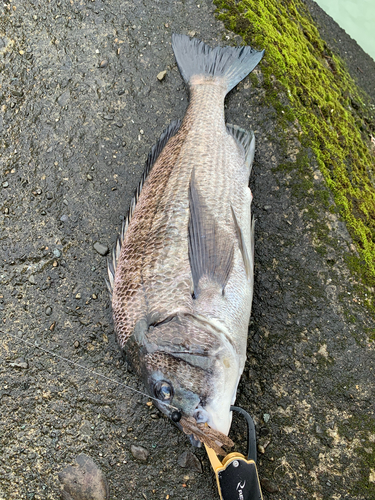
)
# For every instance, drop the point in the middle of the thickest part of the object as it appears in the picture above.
(181, 274)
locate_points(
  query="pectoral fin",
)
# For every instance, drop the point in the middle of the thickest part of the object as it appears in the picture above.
(210, 250)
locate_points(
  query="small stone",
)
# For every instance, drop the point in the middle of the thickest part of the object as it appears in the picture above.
(89, 177)
(119, 124)
(43, 212)
(20, 363)
(21, 52)
(103, 64)
(78, 295)
(57, 253)
(188, 460)
(64, 98)
(261, 449)
(139, 452)
(52, 327)
(6, 211)
(94, 296)
(160, 76)
(267, 207)
(269, 486)
(5, 184)
(32, 280)
(83, 481)
(266, 417)
(155, 416)
(318, 429)
(121, 92)
(64, 218)
(48, 311)
(100, 248)
(49, 196)
(108, 117)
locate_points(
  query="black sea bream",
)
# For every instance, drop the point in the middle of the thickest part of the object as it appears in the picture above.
(181, 275)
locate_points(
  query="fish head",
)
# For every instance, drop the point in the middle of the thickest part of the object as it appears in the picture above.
(189, 368)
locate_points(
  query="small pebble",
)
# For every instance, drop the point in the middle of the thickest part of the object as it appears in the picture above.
(5, 184)
(64, 98)
(49, 196)
(160, 76)
(121, 92)
(94, 296)
(83, 481)
(57, 253)
(266, 417)
(78, 296)
(103, 64)
(20, 363)
(32, 280)
(43, 212)
(189, 461)
(139, 452)
(100, 248)
(261, 449)
(6, 211)
(89, 177)
(268, 485)
(64, 218)
(48, 311)
(55, 264)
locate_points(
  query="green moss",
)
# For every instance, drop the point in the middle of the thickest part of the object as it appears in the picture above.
(331, 111)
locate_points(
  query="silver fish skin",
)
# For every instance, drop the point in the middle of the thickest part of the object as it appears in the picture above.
(181, 274)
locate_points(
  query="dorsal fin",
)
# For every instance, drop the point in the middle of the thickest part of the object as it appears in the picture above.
(247, 140)
(153, 155)
(210, 250)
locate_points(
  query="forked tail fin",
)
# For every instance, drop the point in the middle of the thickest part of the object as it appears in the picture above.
(231, 64)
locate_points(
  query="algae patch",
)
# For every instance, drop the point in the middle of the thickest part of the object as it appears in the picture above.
(335, 118)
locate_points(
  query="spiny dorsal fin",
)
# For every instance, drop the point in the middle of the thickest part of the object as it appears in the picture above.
(242, 245)
(247, 140)
(210, 251)
(153, 155)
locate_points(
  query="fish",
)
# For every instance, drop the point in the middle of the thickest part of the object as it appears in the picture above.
(181, 272)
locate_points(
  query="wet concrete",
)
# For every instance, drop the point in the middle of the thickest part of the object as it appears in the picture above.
(81, 107)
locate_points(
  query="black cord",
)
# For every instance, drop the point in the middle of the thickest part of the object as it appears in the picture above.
(251, 439)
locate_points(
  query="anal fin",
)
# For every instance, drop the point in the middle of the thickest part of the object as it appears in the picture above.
(246, 139)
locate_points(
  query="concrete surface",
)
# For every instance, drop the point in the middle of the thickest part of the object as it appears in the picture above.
(81, 106)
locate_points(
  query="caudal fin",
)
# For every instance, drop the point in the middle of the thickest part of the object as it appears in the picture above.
(230, 63)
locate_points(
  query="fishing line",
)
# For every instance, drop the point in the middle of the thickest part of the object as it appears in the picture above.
(19, 339)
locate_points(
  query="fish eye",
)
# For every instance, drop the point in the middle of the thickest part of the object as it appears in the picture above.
(163, 390)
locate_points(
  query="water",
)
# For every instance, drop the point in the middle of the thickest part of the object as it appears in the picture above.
(356, 17)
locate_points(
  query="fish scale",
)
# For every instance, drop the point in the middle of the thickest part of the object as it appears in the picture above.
(181, 276)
